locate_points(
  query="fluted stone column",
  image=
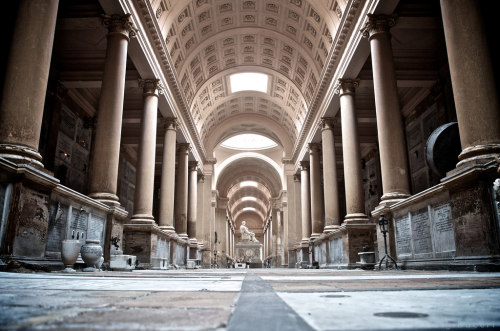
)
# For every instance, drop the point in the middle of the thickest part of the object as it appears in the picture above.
(145, 170)
(472, 76)
(103, 177)
(167, 186)
(353, 176)
(316, 195)
(26, 79)
(305, 201)
(181, 191)
(331, 194)
(393, 158)
(193, 200)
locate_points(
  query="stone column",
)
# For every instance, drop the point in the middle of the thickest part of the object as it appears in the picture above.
(192, 200)
(26, 79)
(167, 186)
(331, 194)
(472, 75)
(393, 157)
(353, 176)
(103, 176)
(305, 201)
(181, 191)
(316, 196)
(145, 170)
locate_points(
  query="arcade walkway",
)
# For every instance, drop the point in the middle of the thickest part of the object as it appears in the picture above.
(268, 299)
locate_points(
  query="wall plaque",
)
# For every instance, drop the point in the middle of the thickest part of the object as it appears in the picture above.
(78, 225)
(444, 234)
(95, 228)
(58, 214)
(336, 250)
(403, 236)
(421, 230)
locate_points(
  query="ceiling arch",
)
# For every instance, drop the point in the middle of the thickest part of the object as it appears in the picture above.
(245, 123)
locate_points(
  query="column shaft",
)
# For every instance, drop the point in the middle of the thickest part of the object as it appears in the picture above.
(353, 177)
(193, 200)
(393, 158)
(331, 194)
(305, 202)
(472, 75)
(26, 79)
(181, 191)
(316, 196)
(103, 177)
(145, 171)
(167, 186)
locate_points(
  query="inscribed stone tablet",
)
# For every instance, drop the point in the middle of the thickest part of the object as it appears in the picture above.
(78, 225)
(444, 235)
(403, 236)
(421, 231)
(95, 228)
(57, 227)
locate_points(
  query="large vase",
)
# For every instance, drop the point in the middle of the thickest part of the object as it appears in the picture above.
(69, 253)
(92, 254)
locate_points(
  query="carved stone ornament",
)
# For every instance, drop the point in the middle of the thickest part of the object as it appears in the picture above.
(150, 86)
(327, 123)
(119, 24)
(346, 86)
(378, 24)
(304, 165)
(170, 123)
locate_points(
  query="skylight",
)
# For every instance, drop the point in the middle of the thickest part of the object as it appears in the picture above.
(248, 208)
(248, 141)
(249, 199)
(248, 183)
(249, 81)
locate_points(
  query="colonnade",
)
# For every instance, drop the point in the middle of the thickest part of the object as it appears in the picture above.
(477, 112)
(22, 111)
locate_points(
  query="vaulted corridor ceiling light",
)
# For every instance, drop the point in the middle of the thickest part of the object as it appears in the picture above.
(249, 199)
(248, 141)
(249, 81)
(248, 208)
(248, 183)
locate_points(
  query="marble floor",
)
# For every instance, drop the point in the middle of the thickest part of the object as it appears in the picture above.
(250, 299)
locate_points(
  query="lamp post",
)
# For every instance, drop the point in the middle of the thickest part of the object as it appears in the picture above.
(383, 228)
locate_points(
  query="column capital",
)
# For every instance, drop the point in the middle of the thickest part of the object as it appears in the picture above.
(193, 165)
(150, 86)
(119, 24)
(327, 123)
(169, 123)
(314, 148)
(296, 177)
(378, 23)
(184, 148)
(304, 165)
(346, 86)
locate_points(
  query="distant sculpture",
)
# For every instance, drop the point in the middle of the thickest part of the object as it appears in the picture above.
(246, 234)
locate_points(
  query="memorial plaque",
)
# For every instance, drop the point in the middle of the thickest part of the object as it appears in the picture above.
(444, 234)
(421, 231)
(403, 237)
(336, 250)
(56, 233)
(79, 159)
(95, 228)
(31, 233)
(78, 225)
(83, 135)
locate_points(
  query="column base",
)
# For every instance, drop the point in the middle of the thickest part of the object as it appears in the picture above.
(478, 154)
(393, 197)
(109, 199)
(330, 228)
(142, 219)
(315, 236)
(21, 154)
(356, 218)
(167, 228)
(183, 236)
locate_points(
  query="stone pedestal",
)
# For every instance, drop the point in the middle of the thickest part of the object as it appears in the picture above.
(122, 262)
(149, 243)
(250, 252)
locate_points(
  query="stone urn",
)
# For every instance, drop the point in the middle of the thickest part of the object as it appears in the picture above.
(69, 253)
(92, 255)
